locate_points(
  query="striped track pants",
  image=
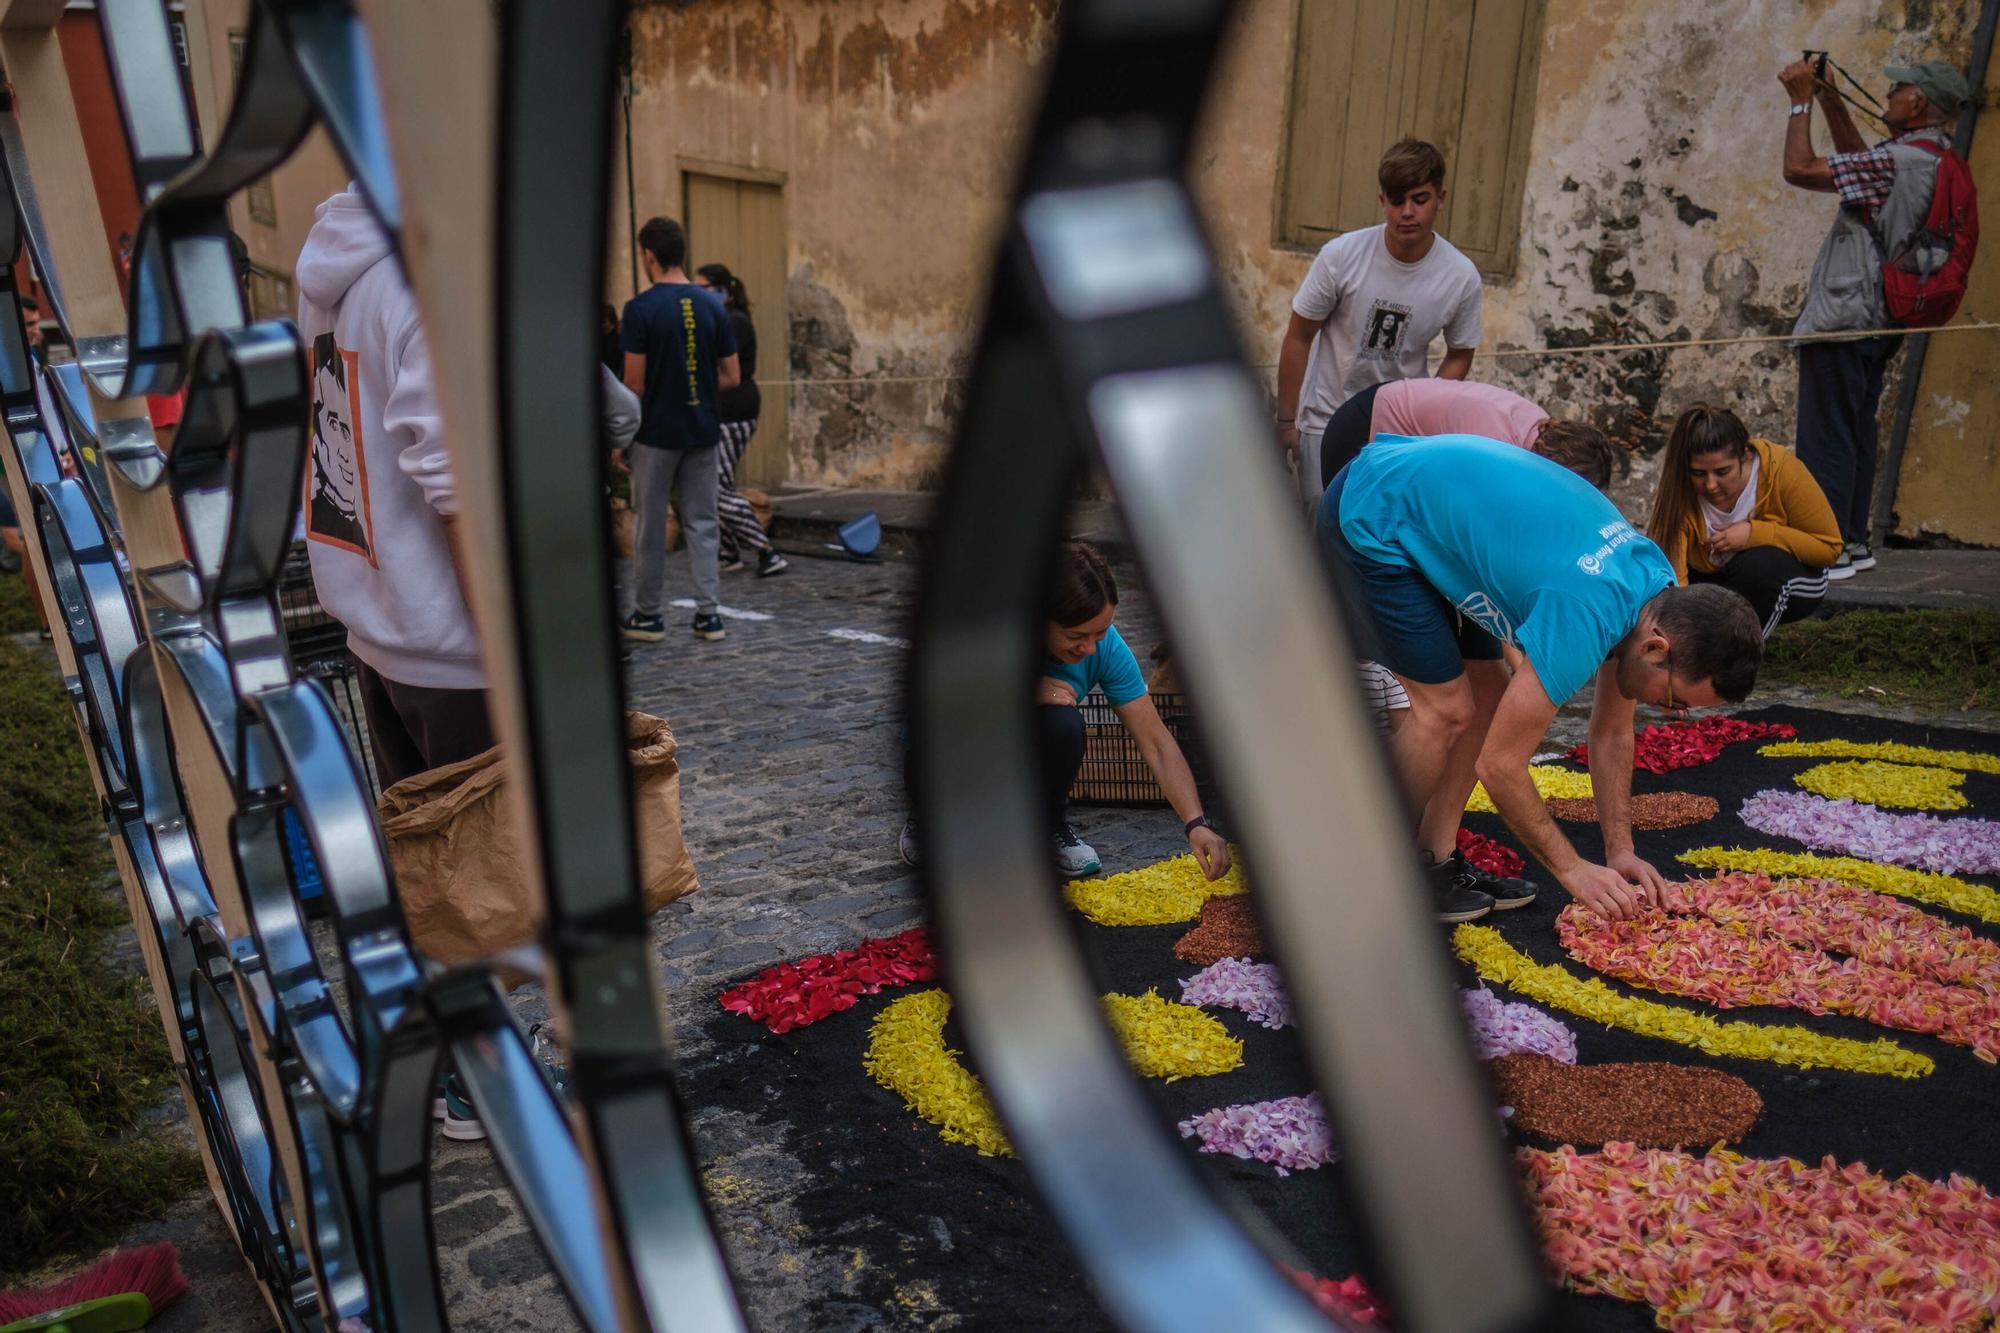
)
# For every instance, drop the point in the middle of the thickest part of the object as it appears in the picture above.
(741, 533)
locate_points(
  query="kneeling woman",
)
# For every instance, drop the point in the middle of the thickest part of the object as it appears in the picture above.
(1743, 513)
(1084, 653)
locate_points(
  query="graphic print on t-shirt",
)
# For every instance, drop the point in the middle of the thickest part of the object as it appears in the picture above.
(1382, 338)
(337, 511)
(1481, 611)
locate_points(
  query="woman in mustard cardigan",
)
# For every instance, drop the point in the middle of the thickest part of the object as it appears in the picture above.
(1743, 513)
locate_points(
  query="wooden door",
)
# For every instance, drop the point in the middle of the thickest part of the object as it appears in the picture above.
(741, 223)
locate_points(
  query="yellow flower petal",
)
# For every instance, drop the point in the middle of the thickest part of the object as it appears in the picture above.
(1155, 895)
(1920, 886)
(1496, 960)
(1549, 781)
(1970, 760)
(1899, 786)
(1169, 1041)
(907, 1055)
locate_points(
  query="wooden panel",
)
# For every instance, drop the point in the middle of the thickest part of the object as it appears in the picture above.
(1459, 73)
(1479, 171)
(741, 223)
(1322, 65)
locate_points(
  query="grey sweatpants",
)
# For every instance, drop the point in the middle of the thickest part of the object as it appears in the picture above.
(656, 474)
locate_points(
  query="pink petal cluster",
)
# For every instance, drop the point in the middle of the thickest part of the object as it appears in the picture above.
(1290, 1133)
(1816, 945)
(1502, 1028)
(1852, 828)
(1254, 989)
(1723, 1241)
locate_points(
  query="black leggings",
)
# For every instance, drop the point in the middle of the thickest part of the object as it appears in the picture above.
(1778, 587)
(1059, 741)
(1352, 424)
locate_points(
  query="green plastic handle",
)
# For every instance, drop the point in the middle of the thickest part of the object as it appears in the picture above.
(123, 1313)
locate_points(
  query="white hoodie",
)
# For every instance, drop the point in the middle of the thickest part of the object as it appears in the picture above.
(378, 476)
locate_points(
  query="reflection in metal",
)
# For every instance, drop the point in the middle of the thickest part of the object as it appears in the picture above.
(1107, 308)
(311, 1090)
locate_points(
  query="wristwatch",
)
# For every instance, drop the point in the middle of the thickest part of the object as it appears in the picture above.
(1199, 821)
(1801, 108)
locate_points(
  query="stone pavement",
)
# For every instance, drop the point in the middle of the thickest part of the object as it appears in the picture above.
(792, 796)
(1905, 578)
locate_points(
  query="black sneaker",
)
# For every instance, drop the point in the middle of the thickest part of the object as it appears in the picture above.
(732, 564)
(771, 562)
(1859, 557)
(646, 629)
(1454, 900)
(1507, 893)
(709, 626)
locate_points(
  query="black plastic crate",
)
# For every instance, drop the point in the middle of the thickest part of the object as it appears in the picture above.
(1114, 772)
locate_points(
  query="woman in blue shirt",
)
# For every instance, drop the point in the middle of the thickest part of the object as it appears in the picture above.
(1084, 653)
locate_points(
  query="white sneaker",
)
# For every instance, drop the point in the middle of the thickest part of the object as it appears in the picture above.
(1842, 568)
(1074, 856)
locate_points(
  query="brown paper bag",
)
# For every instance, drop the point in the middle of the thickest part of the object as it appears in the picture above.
(460, 866)
(760, 505)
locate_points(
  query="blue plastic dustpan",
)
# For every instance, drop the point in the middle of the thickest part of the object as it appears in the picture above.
(862, 537)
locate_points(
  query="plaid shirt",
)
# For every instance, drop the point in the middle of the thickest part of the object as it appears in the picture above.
(1865, 178)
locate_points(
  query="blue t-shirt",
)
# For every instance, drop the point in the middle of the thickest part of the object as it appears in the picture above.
(1523, 547)
(683, 332)
(1111, 666)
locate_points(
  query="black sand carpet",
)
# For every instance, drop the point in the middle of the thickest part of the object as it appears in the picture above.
(881, 1181)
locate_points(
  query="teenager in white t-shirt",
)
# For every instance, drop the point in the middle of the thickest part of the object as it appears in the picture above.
(1372, 304)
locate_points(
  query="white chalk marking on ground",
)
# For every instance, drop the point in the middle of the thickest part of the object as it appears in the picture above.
(863, 636)
(727, 612)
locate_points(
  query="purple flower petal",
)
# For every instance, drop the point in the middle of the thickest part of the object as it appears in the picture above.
(1237, 983)
(1290, 1133)
(1500, 1028)
(1851, 828)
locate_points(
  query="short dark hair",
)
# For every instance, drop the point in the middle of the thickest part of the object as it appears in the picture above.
(1715, 636)
(666, 241)
(1578, 446)
(1409, 164)
(1083, 585)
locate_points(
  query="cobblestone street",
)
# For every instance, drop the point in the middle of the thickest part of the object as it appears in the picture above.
(792, 799)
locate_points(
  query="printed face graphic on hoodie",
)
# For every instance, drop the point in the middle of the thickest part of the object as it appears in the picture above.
(337, 482)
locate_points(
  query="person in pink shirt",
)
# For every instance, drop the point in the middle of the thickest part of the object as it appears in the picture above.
(1418, 408)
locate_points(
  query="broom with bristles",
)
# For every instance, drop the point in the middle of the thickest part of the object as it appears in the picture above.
(118, 1293)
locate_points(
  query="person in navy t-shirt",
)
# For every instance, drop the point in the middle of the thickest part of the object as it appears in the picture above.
(1456, 544)
(679, 356)
(1084, 653)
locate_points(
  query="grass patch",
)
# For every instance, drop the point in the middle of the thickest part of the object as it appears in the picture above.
(17, 606)
(82, 1057)
(1939, 660)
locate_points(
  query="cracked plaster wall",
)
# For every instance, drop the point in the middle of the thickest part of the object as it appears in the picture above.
(1653, 206)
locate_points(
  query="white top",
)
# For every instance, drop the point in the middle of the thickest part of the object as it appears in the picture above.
(1746, 501)
(1378, 316)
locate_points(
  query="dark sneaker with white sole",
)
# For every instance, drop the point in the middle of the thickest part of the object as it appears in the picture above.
(731, 564)
(1859, 557)
(1074, 856)
(1454, 900)
(771, 562)
(1506, 892)
(907, 845)
(455, 1110)
(709, 627)
(646, 629)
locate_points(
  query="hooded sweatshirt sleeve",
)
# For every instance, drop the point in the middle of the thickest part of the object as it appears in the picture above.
(1792, 512)
(412, 418)
(621, 411)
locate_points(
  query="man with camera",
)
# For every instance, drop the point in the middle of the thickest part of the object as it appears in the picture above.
(1885, 198)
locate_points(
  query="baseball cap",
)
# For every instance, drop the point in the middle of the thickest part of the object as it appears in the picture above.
(1938, 80)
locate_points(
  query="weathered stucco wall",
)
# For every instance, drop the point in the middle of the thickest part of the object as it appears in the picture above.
(895, 123)
(1653, 207)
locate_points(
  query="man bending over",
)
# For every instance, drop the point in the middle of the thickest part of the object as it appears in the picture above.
(1455, 544)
